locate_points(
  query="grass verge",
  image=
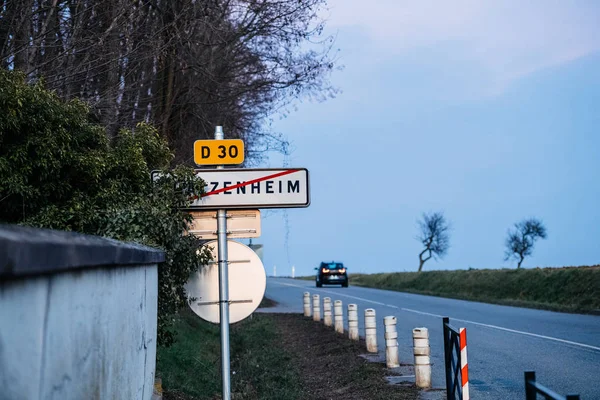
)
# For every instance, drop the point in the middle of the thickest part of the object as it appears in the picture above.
(570, 289)
(190, 369)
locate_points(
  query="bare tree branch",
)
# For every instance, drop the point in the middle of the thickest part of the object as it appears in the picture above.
(434, 235)
(520, 241)
(184, 66)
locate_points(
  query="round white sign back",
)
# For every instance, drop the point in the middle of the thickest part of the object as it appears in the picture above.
(247, 284)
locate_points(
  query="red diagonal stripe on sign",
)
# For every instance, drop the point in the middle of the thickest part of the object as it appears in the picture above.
(264, 178)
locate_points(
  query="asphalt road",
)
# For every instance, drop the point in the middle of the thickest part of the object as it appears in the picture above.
(502, 342)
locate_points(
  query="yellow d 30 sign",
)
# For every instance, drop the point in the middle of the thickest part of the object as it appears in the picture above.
(219, 152)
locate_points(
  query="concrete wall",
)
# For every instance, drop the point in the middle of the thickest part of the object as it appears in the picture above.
(84, 332)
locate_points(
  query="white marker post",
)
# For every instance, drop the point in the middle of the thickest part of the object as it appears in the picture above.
(422, 360)
(316, 308)
(353, 322)
(391, 342)
(223, 290)
(306, 302)
(371, 330)
(327, 320)
(338, 316)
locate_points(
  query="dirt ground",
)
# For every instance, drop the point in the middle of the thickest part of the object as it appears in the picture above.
(331, 366)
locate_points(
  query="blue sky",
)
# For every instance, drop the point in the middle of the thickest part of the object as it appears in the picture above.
(485, 110)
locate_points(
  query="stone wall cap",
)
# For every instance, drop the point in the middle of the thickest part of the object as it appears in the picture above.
(34, 251)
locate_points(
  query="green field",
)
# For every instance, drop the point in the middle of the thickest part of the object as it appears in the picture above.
(571, 289)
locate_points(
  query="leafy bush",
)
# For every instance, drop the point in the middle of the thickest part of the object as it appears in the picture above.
(59, 170)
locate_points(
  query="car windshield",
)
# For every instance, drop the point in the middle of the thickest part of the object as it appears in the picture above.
(333, 266)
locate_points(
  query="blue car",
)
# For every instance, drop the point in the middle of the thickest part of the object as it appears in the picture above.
(332, 273)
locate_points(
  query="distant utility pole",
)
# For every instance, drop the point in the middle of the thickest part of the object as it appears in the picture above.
(293, 272)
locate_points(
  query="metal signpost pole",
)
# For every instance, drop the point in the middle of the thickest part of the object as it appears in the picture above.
(223, 290)
(282, 188)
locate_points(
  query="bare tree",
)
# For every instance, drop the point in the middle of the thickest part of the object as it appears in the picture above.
(183, 65)
(434, 236)
(520, 241)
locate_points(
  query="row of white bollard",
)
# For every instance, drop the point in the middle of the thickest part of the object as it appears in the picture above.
(327, 319)
(371, 330)
(422, 360)
(353, 322)
(316, 308)
(421, 348)
(391, 342)
(338, 316)
(306, 304)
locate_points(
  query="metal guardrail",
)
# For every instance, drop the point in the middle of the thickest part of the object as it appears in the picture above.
(533, 388)
(452, 361)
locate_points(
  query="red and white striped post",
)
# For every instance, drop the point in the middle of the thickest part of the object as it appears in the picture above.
(464, 366)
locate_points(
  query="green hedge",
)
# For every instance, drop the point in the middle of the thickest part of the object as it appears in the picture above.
(59, 169)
